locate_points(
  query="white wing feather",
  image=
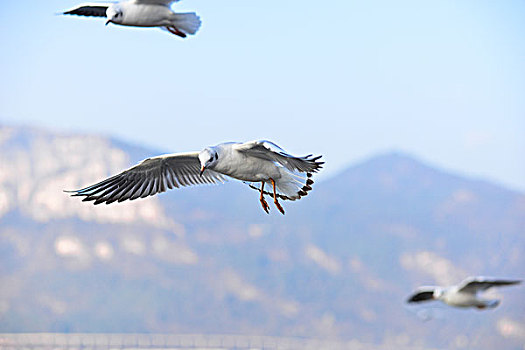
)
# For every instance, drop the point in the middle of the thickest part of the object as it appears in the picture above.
(151, 176)
(475, 284)
(270, 151)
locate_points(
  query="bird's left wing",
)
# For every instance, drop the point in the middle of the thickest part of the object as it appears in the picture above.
(270, 151)
(475, 284)
(90, 9)
(151, 176)
(422, 294)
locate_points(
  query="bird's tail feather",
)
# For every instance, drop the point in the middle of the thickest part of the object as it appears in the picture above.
(188, 23)
(295, 187)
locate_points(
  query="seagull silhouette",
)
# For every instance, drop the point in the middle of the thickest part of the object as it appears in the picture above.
(462, 295)
(141, 13)
(252, 162)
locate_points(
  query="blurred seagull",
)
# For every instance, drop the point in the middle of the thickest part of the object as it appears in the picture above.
(250, 162)
(462, 295)
(141, 13)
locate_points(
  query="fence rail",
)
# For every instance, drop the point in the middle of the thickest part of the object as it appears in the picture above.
(57, 341)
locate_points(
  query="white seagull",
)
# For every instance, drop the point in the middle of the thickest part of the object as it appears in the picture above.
(141, 13)
(250, 162)
(462, 295)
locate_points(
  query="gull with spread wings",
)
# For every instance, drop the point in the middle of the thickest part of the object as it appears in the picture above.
(462, 295)
(252, 162)
(141, 13)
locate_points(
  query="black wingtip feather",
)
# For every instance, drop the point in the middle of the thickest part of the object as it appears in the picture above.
(420, 297)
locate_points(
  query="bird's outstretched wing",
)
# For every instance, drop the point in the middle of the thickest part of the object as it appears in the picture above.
(270, 151)
(475, 284)
(90, 9)
(151, 176)
(422, 294)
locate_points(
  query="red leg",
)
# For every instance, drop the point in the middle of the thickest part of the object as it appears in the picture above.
(275, 198)
(265, 205)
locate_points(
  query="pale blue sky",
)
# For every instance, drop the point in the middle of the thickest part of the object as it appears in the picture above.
(443, 80)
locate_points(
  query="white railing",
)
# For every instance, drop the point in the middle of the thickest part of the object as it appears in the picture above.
(58, 341)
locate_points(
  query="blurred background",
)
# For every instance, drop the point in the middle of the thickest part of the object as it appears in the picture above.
(416, 107)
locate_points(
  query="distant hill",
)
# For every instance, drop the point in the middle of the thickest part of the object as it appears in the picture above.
(338, 265)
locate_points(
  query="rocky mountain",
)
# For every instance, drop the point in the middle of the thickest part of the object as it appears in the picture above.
(339, 265)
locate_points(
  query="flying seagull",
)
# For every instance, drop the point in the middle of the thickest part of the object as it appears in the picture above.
(252, 162)
(141, 13)
(462, 295)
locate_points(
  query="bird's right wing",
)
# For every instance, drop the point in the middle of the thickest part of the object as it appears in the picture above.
(90, 9)
(270, 151)
(422, 294)
(151, 176)
(475, 284)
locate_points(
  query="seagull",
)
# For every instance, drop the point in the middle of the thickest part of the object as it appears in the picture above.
(252, 162)
(463, 294)
(141, 13)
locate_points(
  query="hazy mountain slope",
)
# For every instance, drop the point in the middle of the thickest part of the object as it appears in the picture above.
(339, 264)
(38, 166)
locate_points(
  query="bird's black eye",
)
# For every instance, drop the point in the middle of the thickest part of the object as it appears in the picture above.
(216, 156)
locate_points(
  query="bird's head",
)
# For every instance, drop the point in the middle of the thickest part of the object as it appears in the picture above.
(208, 157)
(114, 14)
(438, 293)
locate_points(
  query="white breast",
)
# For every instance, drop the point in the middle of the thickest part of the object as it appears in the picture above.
(460, 299)
(141, 15)
(245, 168)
